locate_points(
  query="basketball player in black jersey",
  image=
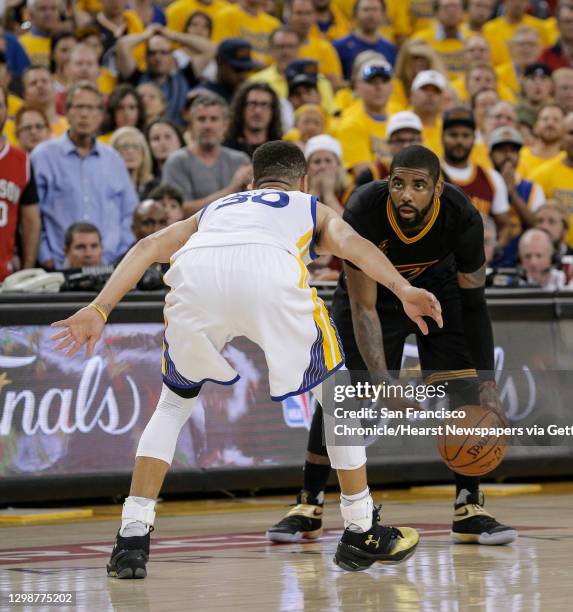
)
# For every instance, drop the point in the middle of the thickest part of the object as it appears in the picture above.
(434, 236)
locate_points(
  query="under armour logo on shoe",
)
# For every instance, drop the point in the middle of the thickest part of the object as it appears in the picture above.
(371, 540)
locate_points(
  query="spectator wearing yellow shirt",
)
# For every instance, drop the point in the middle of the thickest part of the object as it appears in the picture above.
(301, 17)
(525, 48)
(44, 19)
(499, 31)
(549, 132)
(309, 121)
(479, 13)
(536, 85)
(284, 48)
(446, 36)
(481, 76)
(248, 21)
(330, 20)
(563, 88)
(556, 176)
(91, 36)
(426, 100)
(481, 102)
(362, 132)
(38, 92)
(178, 12)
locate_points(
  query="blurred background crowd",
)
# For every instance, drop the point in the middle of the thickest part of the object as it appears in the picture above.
(119, 117)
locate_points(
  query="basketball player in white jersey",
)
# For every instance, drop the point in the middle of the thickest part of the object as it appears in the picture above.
(237, 270)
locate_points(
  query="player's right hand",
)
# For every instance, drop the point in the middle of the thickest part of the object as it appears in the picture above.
(419, 303)
(84, 327)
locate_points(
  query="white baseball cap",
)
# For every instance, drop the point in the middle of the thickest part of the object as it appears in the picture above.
(404, 120)
(429, 77)
(322, 142)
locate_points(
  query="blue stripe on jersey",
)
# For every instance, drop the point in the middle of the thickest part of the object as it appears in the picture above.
(174, 378)
(312, 253)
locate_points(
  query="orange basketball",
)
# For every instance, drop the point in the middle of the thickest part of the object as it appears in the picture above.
(468, 445)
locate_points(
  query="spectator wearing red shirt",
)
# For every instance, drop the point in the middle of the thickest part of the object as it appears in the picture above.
(18, 201)
(560, 55)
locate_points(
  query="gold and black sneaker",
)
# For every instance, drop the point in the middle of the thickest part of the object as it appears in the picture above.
(129, 557)
(473, 525)
(303, 522)
(380, 544)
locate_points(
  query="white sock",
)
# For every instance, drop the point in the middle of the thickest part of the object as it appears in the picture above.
(357, 510)
(131, 527)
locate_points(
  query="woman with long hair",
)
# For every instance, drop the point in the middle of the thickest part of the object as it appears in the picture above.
(62, 44)
(130, 143)
(32, 127)
(414, 56)
(124, 109)
(154, 101)
(164, 138)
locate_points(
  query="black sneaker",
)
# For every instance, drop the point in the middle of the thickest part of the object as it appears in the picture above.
(473, 525)
(129, 557)
(380, 544)
(303, 522)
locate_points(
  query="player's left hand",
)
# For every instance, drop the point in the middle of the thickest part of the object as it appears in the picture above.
(84, 327)
(419, 303)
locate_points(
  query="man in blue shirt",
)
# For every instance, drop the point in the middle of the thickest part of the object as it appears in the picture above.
(369, 16)
(79, 179)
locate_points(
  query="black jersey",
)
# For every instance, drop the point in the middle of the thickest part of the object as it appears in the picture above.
(450, 242)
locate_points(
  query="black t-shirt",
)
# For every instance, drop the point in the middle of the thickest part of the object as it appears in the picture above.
(451, 241)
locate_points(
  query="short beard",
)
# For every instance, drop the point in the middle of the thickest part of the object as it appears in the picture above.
(418, 218)
(459, 159)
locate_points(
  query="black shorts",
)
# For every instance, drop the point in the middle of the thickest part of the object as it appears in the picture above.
(443, 352)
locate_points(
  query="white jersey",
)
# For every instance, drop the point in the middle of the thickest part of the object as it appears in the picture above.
(283, 219)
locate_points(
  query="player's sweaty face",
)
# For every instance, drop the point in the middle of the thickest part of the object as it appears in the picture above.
(412, 194)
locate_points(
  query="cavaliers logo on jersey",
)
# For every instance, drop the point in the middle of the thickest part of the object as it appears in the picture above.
(412, 271)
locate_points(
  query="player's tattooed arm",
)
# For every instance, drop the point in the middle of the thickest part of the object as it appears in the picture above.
(472, 280)
(363, 292)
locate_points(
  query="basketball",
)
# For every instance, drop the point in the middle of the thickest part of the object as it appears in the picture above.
(470, 445)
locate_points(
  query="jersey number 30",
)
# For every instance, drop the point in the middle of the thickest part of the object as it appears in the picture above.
(267, 198)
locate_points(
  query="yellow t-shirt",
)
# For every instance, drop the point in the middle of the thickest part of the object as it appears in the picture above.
(506, 75)
(106, 81)
(37, 47)
(556, 180)
(14, 103)
(322, 51)
(480, 155)
(498, 32)
(178, 12)
(363, 138)
(90, 6)
(272, 77)
(397, 13)
(338, 28)
(233, 21)
(432, 138)
(530, 163)
(451, 50)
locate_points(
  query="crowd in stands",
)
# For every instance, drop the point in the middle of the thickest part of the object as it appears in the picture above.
(119, 117)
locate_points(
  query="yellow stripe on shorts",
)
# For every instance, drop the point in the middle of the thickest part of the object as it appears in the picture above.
(330, 348)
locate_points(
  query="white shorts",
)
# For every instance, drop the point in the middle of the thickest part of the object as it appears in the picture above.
(251, 290)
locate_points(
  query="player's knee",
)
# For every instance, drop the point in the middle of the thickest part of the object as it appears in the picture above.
(346, 457)
(159, 438)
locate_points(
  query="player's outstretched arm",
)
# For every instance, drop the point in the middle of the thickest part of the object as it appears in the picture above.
(337, 237)
(86, 325)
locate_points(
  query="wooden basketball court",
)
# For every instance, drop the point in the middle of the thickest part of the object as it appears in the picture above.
(213, 556)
